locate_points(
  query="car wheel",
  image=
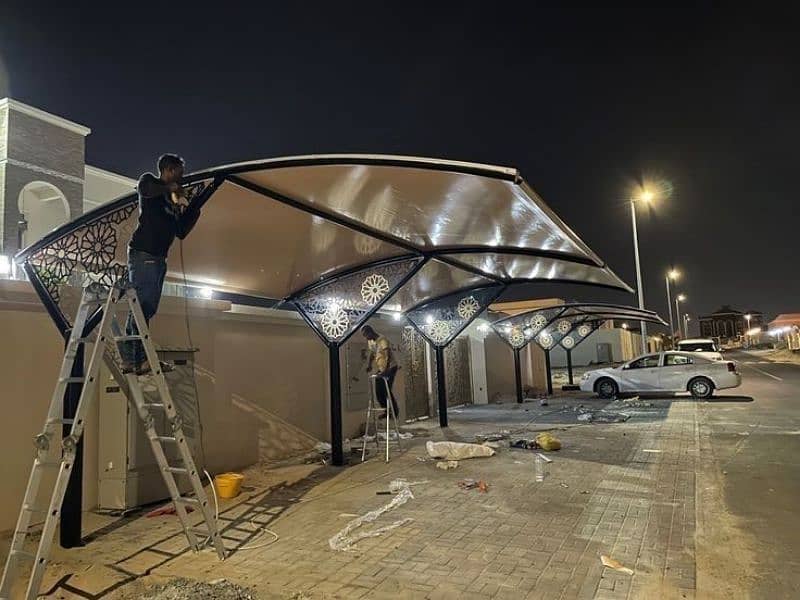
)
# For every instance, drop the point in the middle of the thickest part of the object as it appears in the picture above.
(606, 388)
(701, 387)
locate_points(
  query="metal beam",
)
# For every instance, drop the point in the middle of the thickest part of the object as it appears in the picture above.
(548, 372)
(337, 451)
(441, 386)
(517, 375)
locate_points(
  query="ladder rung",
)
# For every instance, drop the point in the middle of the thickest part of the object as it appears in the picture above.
(60, 421)
(162, 438)
(23, 554)
(71, 379)
(95, 301)
(186, 500)
(178, 470)
(156, 405)
(80, 340)
(47, 463)
(34, 509)
(128, 338)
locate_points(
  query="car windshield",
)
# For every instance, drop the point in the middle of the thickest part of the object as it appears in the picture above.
(697, 346)
(645, 362)
(677, 359)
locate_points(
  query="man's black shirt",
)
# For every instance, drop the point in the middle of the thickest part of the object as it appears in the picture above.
(160, 219)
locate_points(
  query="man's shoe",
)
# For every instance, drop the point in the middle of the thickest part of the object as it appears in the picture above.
(144, 368)
(128, 368)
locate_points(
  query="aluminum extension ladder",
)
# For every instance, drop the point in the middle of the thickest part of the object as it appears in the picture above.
(373, 408)
(116, 300)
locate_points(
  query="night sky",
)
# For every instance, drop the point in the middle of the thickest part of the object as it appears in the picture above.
(701, 99)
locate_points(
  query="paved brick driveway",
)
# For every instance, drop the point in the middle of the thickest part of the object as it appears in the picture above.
(626, 490)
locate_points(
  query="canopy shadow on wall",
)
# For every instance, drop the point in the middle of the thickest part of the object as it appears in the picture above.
(336, 237)
(566, 325)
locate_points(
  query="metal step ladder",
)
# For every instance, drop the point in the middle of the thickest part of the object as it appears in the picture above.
(114, 301)
(373, 410)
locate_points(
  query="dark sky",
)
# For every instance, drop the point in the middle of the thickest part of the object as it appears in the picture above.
(584, 101)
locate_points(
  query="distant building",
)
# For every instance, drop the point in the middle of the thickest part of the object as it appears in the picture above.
(728, 323)
(783, 320)
(44, 179)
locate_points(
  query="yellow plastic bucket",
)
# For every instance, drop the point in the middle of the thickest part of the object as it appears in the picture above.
(228, 484)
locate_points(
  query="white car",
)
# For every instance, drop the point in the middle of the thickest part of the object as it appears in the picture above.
(664, 372)
(704, 347)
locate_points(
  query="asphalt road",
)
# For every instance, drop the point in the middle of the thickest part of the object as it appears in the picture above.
(755, 436)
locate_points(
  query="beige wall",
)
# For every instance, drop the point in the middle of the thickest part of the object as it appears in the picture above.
(500, 368)
(262, 382)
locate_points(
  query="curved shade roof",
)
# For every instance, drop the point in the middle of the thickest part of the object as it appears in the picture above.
(565, 324)
(276, 229)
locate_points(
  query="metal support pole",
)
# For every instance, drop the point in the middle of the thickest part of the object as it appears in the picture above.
(569, 366)
(441, 386)
(640, 293)
(548, 373)
(337, 452)
(678, 315)
(71, 518)
(518, 375)
(669, 306)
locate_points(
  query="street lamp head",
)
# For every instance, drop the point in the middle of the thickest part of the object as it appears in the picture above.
(681, 297)
(748, 317)
(646, 196)
(674, 274)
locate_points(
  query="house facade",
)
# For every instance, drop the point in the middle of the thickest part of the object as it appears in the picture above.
(729, 324)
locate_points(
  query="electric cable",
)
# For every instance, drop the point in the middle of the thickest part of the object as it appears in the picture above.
(192, 349)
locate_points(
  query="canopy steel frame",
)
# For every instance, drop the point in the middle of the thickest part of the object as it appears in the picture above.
(452, 302)
(580, 313)
(207, 183)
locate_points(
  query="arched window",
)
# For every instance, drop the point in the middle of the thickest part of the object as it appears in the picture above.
(43, 207)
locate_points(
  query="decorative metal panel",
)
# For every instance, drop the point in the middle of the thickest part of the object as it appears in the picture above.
(457, 373)
(337, 308)
(519, 330)
(416, 374)
(441, 320)
(93, 252)
(580, 332)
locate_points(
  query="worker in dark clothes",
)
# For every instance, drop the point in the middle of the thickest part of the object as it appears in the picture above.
(382, 358)
(164, 214)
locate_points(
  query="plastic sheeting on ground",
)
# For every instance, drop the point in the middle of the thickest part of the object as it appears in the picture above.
(457, 450)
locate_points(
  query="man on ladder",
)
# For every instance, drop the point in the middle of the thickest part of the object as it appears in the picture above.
(382, 358)
(164, 214)
(161, 219)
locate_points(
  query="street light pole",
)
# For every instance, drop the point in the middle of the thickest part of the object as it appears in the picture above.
(686, 326)
(669, 305)
(747, 332)
(679, 298)
(671, 274)
(643, 325)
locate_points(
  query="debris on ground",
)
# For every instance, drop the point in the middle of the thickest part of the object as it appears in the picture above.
(543, 441)
(495, 445)
(187, 589)
(397, 485)
(168, 509)
(635, 402)
(446, 465)
(544, 458)
(344, 541)
(588, 415)
(493, 437)
(323, 448)
(471, 484)
(612, 563)
(457, 450)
